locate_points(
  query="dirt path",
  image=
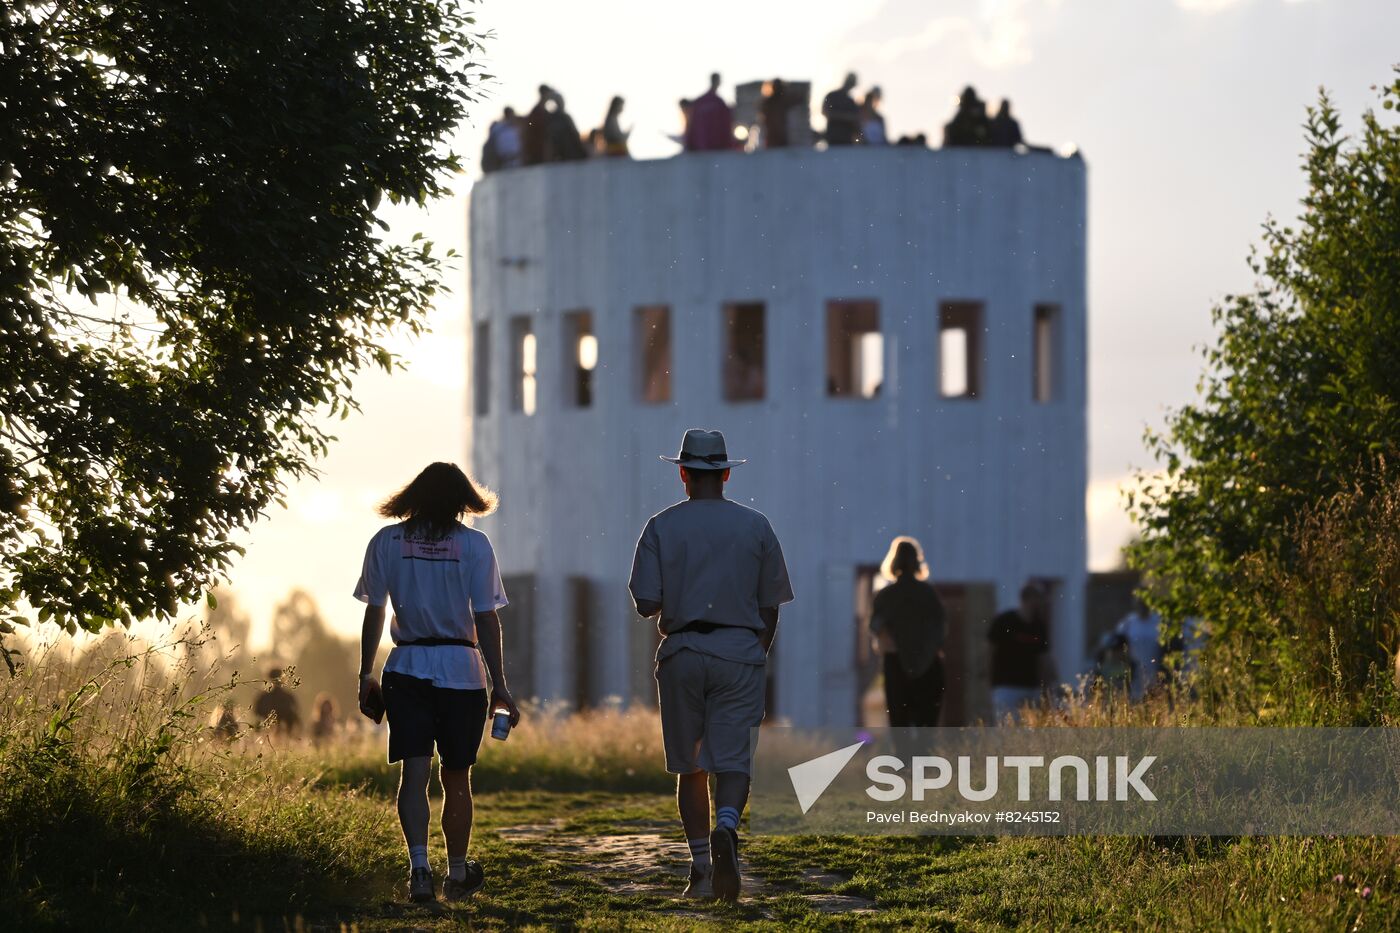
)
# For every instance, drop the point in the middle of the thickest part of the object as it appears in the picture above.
(648, 859)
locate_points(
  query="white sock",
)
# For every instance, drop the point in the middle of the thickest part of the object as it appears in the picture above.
(457, 867)
(700, 852)
(417, 856)
(727, 818)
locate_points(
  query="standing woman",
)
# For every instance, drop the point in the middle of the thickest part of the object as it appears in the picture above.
(446, 588)
(908, 625)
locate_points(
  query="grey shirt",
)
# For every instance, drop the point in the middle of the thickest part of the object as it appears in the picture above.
(711, 560)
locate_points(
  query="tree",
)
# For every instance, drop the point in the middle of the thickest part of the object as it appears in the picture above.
(1300, 399)
(191, 269)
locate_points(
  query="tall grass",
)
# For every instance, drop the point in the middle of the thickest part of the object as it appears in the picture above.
(610, 748)
(120, 811)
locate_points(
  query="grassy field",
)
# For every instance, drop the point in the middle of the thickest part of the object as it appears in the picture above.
(119, 811)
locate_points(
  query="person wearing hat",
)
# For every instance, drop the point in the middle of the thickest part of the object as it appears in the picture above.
(712, 572)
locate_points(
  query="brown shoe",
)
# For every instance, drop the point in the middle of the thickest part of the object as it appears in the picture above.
(457, 891)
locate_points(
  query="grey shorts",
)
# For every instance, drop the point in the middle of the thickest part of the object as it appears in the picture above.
(708, 707)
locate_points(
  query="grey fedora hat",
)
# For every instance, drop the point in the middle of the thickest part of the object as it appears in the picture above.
(703, 450)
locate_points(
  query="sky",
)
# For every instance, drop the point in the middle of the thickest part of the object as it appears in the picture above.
(1188, 113)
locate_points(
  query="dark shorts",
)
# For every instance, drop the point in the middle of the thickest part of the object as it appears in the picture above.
(421, 715)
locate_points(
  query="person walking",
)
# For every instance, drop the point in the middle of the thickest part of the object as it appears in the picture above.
(1020, 640)
(908, 623)
(712, 572)
(442, 579)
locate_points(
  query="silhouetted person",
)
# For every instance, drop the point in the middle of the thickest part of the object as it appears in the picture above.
(504, 145)
(872, 122)
(226, 724)
(909, 628)
(537, 128)
(711, 572)
(773, 114)
(1020, 640)
(1139, 635)
(327, 719)
(1004, 130)
(278, 701)
(710, 127)
(562, 140)
(918, 139)
(614, 137)
(969, 126)
(443, 582)
(842, 114)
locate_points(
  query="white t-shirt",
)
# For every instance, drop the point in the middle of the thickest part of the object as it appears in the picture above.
(435, 586)
(716, 561)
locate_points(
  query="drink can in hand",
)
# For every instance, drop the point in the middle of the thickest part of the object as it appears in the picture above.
(500, 725)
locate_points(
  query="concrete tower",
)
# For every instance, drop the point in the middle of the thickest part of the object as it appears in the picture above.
(895, 339)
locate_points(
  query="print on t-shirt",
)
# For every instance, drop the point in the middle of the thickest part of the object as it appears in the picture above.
(441, 549)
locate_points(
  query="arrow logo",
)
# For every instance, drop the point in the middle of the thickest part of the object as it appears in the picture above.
(811, 778)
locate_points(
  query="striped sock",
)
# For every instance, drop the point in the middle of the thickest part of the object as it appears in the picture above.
(417, 856)
(727, 818)
(700, 852)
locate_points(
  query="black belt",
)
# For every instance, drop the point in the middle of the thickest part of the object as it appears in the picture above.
(704, 628)
(434, 642)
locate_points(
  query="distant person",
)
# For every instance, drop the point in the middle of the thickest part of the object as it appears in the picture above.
(685, 108)
(534, 139)
(614, 137)
(1004, 130)
(908, 624)
(442, 579)
(1020, 640)
(1139, 635)
(226, 722)
(504, 143)
(712, 572)
(773, 115)
(872, 122)
(562, 140)
(918, 139)
(842, 114)
(276, 704)
(326, 722)
(969, 126)
(710, 127)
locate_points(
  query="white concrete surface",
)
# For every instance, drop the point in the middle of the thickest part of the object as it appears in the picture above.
(993, 486)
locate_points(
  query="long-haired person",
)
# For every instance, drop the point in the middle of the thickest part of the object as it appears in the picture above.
(445, 587)
(909, 628)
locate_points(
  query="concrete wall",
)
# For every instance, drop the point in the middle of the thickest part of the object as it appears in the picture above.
(993, 486)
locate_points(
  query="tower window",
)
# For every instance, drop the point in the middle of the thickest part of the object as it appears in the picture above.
(960, 349)
(744, 376)
(653, 335)
(581, 360)
(855, 349)
(523, 360)
(1045, 355)
(481, 366)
